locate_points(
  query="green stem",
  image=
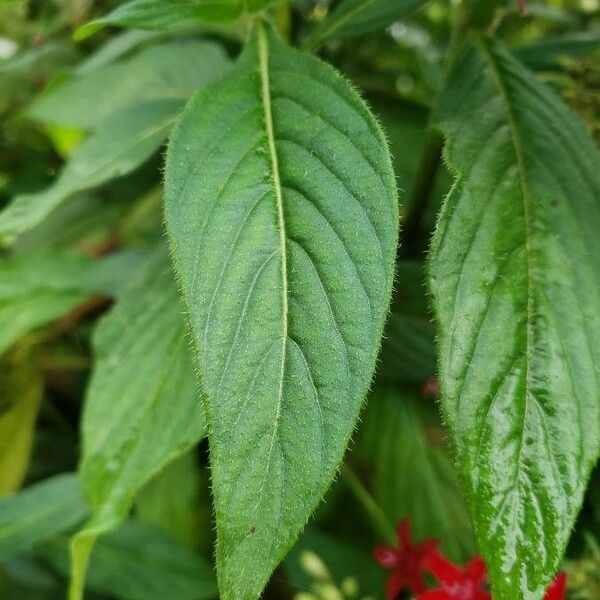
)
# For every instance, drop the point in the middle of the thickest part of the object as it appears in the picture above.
(378, 518)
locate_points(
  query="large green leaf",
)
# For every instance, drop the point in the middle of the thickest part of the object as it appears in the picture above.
(124, 142)
(39, 513)
(515, 275)
(282, 215)
(359, 17)
(142, 408)
(170, 70)
(36, 289)
(141, 562)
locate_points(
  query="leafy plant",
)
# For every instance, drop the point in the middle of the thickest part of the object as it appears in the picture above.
(202, 282)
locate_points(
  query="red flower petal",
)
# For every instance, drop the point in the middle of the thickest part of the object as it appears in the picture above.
(557, 588)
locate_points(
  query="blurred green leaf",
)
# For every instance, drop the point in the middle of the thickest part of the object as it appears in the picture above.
(142, 408)
(126, 140)
(412, 475)
(141, 562)
(39, 513)
(550, 54)
(169, 70)
(359, 17)
(20, 396)
(36, 289)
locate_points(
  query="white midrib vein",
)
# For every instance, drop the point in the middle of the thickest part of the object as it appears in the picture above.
(263, 55)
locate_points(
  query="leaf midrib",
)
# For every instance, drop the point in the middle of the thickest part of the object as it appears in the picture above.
(263, 56)
(525, 195)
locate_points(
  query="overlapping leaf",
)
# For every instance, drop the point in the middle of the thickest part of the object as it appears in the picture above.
(515, 274)
(142, 408)
(281, 212)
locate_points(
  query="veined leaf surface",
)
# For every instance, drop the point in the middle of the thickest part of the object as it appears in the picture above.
(515, 275)
(282, 216)
(143, 361)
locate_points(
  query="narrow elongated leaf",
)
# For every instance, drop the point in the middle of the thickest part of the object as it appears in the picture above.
(359, 17)
(170, 70)
(39, 513)
(141, 562)
(515, 275)
(142, 408)
(36, 289)
(123, 143)
(282, 215)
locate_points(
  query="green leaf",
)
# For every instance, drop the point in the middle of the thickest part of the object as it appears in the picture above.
(170, 70)
(515, 277)
(552, 53)
(142, 407)
(141, 562)
(124, 142)
(358, 17)
(20, 397)
(37, 289)
(164, 14)
(412, 475)
(39, 513)
(282, 215)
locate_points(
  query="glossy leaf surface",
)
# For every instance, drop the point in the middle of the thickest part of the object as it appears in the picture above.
(282, 215)
(515, 275)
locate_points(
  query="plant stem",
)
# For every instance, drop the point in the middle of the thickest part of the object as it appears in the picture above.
(378, 518)
(421, 194)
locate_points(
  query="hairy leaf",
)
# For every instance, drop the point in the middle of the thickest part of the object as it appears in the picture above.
(515, 276)
(141, 562)
(39, 513)
(170, 70)
(37, 289)
(359, 17)
(282, 215)
(123, 143)
(142, 408)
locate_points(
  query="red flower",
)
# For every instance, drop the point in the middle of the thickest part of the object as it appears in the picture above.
(557, 588)
(457, 583)
(404, 561)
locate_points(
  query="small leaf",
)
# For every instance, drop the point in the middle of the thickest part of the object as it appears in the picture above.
(142, 408)
(515, 276)
(39, 513)
(124, 142)
(282, 216)
(166, 71)
(141, 562)
(20, 397)
(359, 17)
